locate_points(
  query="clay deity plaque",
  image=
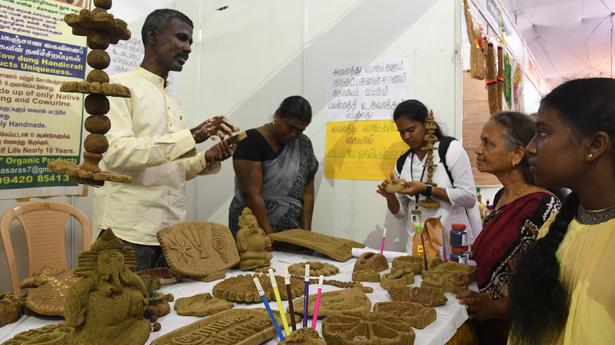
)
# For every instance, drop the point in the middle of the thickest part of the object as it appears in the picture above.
(198, 249)
(336, 248)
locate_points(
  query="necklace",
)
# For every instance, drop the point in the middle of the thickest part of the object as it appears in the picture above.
(513, 198)
(519, 192)
(592, 217)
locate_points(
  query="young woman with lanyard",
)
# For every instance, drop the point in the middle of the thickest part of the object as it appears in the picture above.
(454, 190)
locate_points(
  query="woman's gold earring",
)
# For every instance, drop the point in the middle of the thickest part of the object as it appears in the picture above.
(589, 156)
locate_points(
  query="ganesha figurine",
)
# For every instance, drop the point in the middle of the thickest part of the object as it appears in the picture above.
(252, 243)
(106, 307)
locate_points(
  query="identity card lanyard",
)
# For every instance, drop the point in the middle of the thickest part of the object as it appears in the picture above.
(416, 210)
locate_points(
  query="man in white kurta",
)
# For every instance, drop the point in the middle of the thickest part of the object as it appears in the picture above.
(149, 142)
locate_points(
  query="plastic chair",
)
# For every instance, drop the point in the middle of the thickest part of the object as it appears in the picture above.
(43, 223)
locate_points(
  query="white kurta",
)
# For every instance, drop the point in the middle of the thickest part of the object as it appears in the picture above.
(146, 140)
(462, 195)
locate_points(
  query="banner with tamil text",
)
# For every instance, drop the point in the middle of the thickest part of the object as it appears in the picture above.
(38, 123)
(362, 142)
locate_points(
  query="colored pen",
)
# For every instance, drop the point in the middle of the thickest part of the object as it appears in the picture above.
(289, 292)
(307, 294)
(266, 303)
(278, 299)
(384, 236)
(443, 244)
(315, 316)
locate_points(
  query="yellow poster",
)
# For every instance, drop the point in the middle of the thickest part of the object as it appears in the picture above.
(362, 150)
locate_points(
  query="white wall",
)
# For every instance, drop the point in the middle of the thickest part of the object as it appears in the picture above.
(255, 54)
(249, 57)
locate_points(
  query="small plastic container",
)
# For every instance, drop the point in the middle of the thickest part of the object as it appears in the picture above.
(460, 255)
(459, 236)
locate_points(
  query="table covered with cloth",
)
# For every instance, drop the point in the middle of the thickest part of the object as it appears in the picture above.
(449, 316)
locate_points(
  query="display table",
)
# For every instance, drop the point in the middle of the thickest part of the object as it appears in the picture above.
(450, 316)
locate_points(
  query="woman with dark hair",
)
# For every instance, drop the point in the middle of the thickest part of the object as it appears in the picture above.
(274, 171)
(455, 188)
(564, 288)
(521, 208)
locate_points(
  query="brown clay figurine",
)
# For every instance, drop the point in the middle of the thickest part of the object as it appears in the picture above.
(10, 309)
(252, 243)
(395, 185)
(371, 262)
(106, 307)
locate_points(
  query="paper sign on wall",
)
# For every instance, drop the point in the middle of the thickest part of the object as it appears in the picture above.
(362, 150)
(367, 91)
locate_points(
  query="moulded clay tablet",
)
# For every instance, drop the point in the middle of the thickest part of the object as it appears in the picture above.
(316, 269)
(241, 288)
(245, 326)
(424, 296)
(56, 334)
(47, 292)
(367, 328)
(199, 249)
(417, 315)
(338, 249)
(201, 305)
(348, 301)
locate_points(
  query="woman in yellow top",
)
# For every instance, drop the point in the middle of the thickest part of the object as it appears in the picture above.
(564, 290)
